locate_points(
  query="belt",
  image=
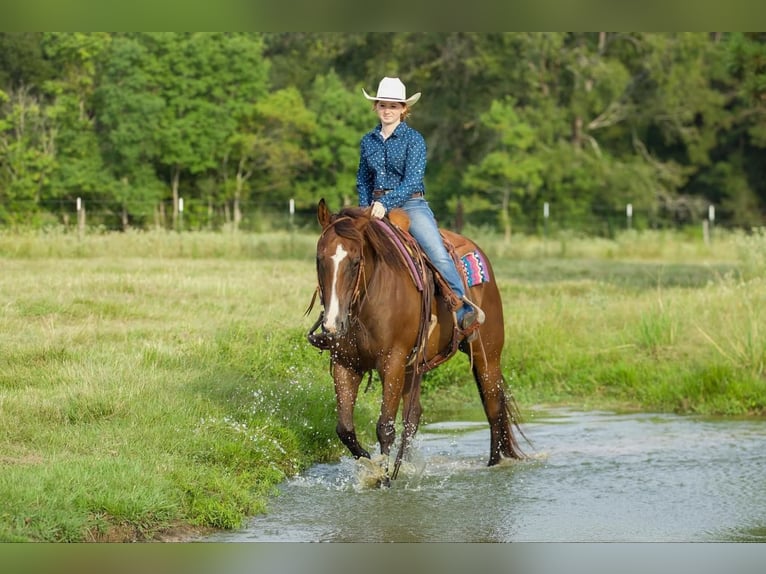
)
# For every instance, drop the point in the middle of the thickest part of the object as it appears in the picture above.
(378, 193)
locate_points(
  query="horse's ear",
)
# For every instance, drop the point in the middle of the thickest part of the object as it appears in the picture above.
(323, 214)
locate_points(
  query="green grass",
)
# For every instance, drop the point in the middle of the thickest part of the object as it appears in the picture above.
(140, 394)
(157, 381)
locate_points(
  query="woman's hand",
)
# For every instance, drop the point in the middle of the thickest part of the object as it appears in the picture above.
(378, 210)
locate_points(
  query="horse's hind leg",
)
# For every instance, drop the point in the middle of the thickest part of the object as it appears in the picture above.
(411, 403)
(498, 407)
(346, 391)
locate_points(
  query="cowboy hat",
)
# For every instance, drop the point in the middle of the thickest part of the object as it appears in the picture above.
(392, 90)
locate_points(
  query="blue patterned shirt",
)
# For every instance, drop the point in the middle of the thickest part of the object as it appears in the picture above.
(397, 164)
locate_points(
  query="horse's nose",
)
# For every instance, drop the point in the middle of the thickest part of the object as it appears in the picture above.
(338, 326)
(329, 327)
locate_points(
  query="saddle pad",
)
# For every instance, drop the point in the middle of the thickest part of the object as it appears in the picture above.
(475, 268)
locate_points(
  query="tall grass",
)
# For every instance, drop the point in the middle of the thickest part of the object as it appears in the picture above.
(139, 394)
(155, 381)
(650, 320)
(62, 242)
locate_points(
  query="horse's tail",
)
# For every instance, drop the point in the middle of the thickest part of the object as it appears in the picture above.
(513, 449)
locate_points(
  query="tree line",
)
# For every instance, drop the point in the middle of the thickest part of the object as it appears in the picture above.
(669, 123)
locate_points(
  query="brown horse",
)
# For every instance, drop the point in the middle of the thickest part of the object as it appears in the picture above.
(372, 320)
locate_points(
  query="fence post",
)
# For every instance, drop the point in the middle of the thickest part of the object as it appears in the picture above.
(80, 218)
(180, 214)
(629, 213)
(291, 210)
(711, 219)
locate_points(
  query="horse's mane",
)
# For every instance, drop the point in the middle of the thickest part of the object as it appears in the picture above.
(378, 239)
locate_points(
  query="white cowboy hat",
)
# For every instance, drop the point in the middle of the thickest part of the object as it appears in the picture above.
(392, 90)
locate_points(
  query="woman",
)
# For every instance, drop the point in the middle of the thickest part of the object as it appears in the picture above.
(392, 165)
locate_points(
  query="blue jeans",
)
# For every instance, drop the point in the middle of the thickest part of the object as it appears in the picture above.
(424, 229)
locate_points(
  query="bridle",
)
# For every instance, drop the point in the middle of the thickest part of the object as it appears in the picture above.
(359, 280)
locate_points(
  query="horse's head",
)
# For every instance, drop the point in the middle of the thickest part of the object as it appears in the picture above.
(340, 264)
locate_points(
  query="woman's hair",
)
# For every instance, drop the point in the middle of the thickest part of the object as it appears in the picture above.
(405, 111)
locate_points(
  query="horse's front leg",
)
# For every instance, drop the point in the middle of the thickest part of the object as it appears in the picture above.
(392, 377)
(346, 391)
(410, 415)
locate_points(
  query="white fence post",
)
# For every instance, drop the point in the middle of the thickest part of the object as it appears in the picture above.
(80, 218)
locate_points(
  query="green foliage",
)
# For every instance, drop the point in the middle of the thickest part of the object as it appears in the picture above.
(656, 330)
(745, 59)
(335, 141)
(22, 61)
(27, 148)
(238, 123)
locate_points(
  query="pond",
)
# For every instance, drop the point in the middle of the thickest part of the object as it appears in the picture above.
(591, 477)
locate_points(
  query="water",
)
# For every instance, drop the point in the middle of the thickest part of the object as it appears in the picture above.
(593, 477)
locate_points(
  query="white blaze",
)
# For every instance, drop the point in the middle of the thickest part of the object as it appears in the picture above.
(333, 309)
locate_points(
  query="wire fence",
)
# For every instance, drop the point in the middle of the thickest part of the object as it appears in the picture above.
(197, 214)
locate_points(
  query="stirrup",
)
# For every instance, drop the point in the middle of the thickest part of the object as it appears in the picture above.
(480, 315)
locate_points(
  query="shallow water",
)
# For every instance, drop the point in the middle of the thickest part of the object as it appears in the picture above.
(592, 476)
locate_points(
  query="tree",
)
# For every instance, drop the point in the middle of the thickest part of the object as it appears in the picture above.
(511, 172)
(22, 61)
(79, 170)
(27, 146)
(668, 122)
(269, 152)
(342, 117)
(740, 173)
(129, 112)
(206, 82)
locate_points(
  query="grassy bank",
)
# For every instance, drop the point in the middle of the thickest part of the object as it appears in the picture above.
(151, 383)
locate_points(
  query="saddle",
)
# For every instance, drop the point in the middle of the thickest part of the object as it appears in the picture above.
(422, 271)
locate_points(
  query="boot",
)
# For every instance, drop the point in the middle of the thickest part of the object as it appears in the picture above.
(470, 323)
(470, 319)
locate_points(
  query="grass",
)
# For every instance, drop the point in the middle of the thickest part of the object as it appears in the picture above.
(137, 394)
(151, 382)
